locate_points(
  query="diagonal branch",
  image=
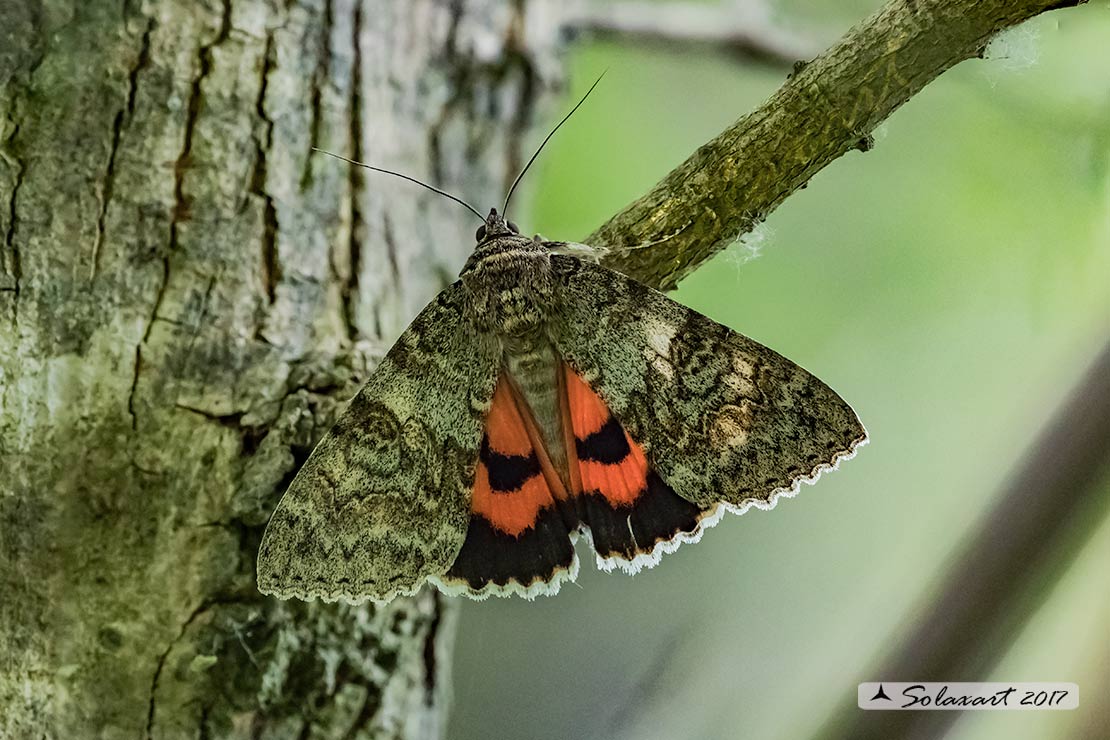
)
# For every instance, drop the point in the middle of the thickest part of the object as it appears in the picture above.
(825, 109)
(741, 27)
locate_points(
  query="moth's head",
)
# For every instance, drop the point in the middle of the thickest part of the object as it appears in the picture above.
(496, 237)
(495, 225)
(502, 252)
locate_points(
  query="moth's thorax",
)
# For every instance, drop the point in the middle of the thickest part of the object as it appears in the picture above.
(509, 281)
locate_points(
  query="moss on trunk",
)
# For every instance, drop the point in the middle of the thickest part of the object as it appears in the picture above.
(187, 296)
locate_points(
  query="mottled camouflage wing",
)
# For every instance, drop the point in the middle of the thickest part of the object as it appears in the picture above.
(384, 500)
(720, 416)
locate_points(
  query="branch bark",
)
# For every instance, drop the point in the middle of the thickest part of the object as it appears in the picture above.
(825, 109)
(186, 299)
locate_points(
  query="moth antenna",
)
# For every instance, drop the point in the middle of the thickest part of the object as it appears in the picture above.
(444, 193)
(505, 208)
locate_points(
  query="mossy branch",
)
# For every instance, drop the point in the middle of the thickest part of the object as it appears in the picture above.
(826, 108)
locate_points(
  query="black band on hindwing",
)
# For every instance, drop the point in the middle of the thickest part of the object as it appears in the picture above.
(508, 473)
(657, 515)
(491, 556)
(607, 445)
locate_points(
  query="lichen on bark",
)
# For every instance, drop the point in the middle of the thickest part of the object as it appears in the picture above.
(187, 297)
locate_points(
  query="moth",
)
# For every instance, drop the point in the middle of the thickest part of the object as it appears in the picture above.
(538, 399)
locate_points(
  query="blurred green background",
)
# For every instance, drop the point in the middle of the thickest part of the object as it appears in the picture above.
(952, 284)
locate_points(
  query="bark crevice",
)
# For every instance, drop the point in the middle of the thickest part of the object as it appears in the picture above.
(517, 57)
(136, 368)
(182, 205)
(456, 81)
(320, 75)
(270, 268)
(123, 117)
(160, 427)
(14, 267)
(349, 289)
(391, 248)
(182, 209)
(160, 665)
(431, 666)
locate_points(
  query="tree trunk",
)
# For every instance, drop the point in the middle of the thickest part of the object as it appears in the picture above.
(187, 296)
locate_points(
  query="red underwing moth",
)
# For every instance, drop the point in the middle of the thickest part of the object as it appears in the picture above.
(539, 398)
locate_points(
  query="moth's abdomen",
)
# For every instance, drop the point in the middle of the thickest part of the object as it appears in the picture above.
(534, 367)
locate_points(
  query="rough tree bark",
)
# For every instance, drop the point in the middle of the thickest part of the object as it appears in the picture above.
(186, 297)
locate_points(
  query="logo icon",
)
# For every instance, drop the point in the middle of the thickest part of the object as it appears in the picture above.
(880, 694)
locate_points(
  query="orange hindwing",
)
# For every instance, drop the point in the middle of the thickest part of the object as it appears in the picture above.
(633, 516)
(605, 460)
(514, 480)
(518, 539)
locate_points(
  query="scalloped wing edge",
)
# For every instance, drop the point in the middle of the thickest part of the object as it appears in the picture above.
(713, 516)
(569, 575)
(514, 588)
